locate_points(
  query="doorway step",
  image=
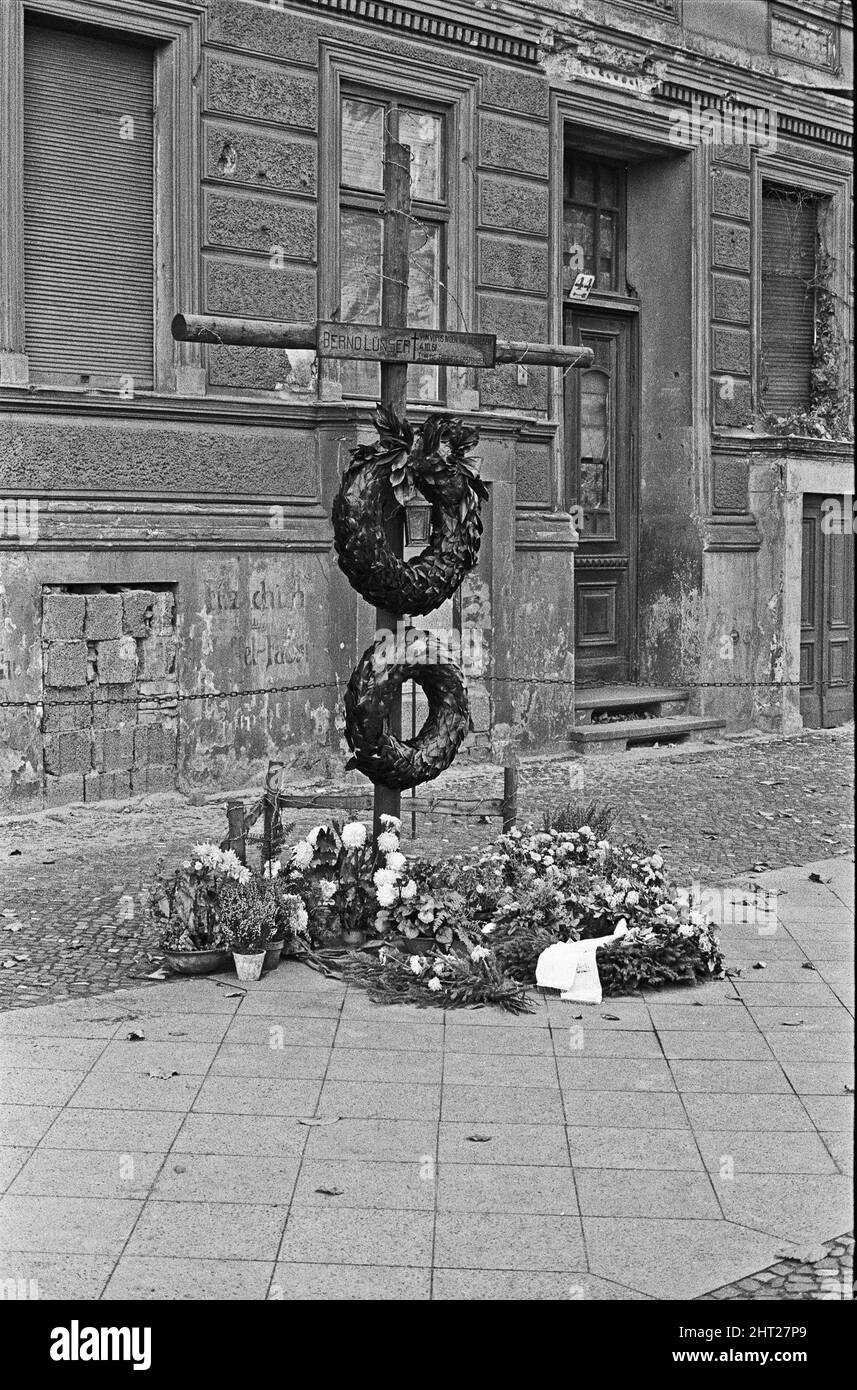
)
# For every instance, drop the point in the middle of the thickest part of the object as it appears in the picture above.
(611, 718)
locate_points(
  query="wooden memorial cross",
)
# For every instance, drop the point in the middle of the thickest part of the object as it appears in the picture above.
(395, 346)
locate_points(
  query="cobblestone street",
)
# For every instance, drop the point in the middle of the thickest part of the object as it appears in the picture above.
(72, 923)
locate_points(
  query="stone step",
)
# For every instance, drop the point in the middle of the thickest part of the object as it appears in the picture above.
(609, 696)
(624, 733)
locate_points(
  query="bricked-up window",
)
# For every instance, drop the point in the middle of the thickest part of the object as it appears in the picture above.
(790, 227)
(593, 222)
(88, 209)
(363, 119)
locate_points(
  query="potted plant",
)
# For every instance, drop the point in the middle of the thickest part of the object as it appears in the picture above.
(185, 907)
(248, 915)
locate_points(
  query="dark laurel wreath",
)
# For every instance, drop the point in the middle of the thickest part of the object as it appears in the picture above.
(432, 460)
(374, 683)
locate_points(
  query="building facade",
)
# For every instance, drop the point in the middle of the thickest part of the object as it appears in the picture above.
(665, 181)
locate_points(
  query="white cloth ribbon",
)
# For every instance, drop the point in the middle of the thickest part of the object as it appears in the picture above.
(571, 967)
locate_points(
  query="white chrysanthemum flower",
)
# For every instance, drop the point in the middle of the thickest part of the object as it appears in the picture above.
(302, 854)
(388, 842)
(603, 844)
(408, 890)
(312, 837)
(354, 835)
(585, 830)
(386, 894)
(327, 888)
(434, 983)
(415, 965)
(392, 822)
(186, 864)
(632, 898)
(439, 967)
(300, 918)
(656, 861)
(489, 927)
(479, 953)
(396, 861)
(383, 877)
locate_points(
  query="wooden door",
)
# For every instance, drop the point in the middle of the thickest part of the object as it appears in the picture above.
(827, 614)
(602, 480)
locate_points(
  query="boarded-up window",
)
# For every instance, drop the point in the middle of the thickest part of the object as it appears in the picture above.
(789, 237)
(88, 209)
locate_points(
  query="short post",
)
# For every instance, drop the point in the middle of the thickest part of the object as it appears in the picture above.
(510, 798)
(235, 822)
(268, 812)
(394, 395)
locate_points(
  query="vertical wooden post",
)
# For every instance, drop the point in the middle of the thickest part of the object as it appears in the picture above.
(235, 821)
(394, 389)
(510, 798)
(267, 828)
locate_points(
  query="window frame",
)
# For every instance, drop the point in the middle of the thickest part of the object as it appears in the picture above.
(835, 186)
(619, 209)
(174, 28)
(415, 86)
(434, 213)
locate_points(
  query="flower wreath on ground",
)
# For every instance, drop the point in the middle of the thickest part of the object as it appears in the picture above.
(469, 931)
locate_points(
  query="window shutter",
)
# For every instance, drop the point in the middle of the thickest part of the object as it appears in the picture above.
(789, 223)
(88, 209)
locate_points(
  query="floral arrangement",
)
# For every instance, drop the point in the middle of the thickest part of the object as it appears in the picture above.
(344, 879)
(454, 932)
(186, 905)
(531, 889)
(451, 980)
(291, 920)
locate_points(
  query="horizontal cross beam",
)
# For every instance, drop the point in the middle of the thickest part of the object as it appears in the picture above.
(371, 342)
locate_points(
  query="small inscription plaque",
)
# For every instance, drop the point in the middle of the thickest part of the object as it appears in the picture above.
(369, 342)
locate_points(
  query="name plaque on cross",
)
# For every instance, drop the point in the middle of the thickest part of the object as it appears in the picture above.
(369, 342)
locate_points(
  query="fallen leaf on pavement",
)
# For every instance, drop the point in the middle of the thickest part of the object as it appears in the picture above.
(480, 1138)
(160, 1075)
(330, 1191)
(321, 1120)
(612, 1018)
(135, 1037)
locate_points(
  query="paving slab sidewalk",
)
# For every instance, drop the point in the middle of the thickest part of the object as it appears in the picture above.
(291, 1140)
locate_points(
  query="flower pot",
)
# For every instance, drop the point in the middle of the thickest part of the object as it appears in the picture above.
(272, 955)
(197, 962)
(248, 966)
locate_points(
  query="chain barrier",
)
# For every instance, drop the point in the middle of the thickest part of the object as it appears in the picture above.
(191, 697)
